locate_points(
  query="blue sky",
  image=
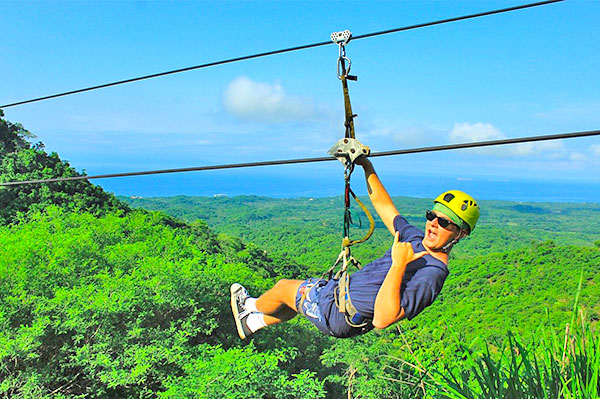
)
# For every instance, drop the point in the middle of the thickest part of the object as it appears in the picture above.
(522, 73)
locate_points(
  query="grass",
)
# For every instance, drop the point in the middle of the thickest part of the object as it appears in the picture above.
(551, 368)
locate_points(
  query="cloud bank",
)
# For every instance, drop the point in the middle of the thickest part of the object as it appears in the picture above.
(268, 103)
(471, 132)
(467, 132)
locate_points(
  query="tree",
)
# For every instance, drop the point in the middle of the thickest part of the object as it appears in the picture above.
(20, 160)
(13, 136)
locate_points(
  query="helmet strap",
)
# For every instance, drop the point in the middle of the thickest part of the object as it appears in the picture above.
(448, 246)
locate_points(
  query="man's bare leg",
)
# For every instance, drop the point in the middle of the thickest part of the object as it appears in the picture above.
(281, 316)
(274, 306)
(279, 303)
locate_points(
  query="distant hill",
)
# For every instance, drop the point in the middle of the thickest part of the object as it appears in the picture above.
(314, 224)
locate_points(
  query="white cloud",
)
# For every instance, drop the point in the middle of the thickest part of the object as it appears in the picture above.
(264, 102)
(385, 137)
(554, 149)
(467, 132)
(578, 157)
(472, 132)
(595, 150)
(418, 136)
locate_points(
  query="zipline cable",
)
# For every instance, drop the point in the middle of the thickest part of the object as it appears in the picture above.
(488, 143)
(302, 47)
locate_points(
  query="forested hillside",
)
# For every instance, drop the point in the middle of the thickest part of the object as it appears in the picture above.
(266, 221)
(21, 160)
(521, 261)
(98, 300)
(133, 306)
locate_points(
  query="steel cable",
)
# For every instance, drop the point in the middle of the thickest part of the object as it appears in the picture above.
(319, 159)
(302, 47)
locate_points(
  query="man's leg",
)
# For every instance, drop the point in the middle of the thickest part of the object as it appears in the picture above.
(279, 303)
(274, 306)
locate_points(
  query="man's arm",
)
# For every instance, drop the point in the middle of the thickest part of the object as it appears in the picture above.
(388, 309)
(381, 200)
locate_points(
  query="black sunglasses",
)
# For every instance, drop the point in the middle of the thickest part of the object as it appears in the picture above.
(431, 216)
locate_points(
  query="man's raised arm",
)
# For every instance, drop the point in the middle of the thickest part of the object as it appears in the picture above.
(381, 200)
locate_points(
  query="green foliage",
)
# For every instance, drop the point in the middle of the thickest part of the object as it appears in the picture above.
(371, 368)
(13, 136)
(19, 160)
(516, 373)
(121, 306)
(307, 231)
(242, 372)
(549, 368)
(113, 303)
(506, 276)
(520, 290)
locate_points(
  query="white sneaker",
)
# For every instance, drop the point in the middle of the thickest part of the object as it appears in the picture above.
(240, 314)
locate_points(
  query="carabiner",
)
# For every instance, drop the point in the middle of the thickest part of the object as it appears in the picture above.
(341, 39)
(342, 71)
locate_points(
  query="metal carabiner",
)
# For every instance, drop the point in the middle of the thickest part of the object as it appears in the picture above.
(342, 71)
(341, 39)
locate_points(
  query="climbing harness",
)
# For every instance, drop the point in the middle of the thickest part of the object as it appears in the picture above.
(347, 150)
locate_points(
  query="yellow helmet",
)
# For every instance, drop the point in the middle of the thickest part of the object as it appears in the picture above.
(461, 204)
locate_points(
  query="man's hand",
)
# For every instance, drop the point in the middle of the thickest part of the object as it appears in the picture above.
(403, 253)
(388, 309)
(363, 161)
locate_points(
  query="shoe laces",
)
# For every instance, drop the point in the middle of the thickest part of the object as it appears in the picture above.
(241, 297)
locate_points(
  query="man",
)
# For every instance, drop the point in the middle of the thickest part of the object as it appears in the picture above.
(398, 285)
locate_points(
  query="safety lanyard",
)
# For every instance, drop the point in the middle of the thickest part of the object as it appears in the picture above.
(347, 150)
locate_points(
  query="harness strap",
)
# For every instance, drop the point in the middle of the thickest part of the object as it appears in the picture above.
(349, 123)
(344, 303)
(369, 216)
(341, 292)
(305, 291)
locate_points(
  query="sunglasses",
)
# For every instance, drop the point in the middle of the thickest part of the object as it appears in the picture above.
(431, 216)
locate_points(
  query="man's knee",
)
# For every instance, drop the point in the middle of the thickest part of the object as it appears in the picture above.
(286, 290)
(281, 284)
(287, 285)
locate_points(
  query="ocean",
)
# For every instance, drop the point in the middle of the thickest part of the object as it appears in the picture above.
(278, 185)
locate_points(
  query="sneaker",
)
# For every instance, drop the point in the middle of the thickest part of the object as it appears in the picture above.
(240, 313)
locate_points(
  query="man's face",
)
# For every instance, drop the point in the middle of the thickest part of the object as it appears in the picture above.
(437, 236)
